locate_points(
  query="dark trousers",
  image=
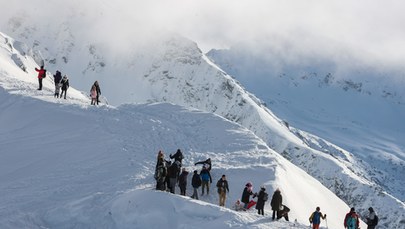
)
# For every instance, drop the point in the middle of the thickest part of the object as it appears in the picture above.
(63, 90)
(260, 211)
(40, 83)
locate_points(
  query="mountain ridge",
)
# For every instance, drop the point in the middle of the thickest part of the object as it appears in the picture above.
(179, 73)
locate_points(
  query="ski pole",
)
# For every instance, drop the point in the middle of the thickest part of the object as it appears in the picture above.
(326, 221)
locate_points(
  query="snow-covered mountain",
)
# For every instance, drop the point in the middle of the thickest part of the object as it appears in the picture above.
(66, 164)
(333, 103)
(170, 68)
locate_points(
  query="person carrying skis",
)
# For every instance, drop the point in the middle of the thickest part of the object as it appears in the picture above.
(207, 164)
(160, 172)
(351, 220)
(65, 86)
(315, 218)
(262, 197)
(56, 79)
(223, 187)
(247, 192)
(205, 179)
(371, 219)
(98, 91)
(41, 75)
(183, 181)
(196, 183)
(276, 203)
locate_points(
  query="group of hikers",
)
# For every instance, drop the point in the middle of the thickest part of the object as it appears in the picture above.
(63, 83)
(169, 173)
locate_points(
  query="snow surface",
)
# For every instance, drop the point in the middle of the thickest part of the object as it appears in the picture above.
(66, 164)
(169, 68)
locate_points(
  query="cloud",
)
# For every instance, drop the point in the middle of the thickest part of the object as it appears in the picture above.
(369, 31)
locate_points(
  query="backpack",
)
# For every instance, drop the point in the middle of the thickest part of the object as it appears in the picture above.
(375, 220)
(266, 196)
(351, 222)
(44, 75)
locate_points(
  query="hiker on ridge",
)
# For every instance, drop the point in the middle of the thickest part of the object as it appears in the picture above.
(41, 75)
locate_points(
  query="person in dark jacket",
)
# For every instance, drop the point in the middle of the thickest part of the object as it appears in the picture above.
(276, 203)
(261, 200)
(223, 187)
(206, 180)
(41, 75)
(247, 192)
(56, 79)
(178, 156)
(173, 172)
(207, 164)
(183, 181)
(371, 219)
(196, 183)
(98, 91)
(65, 86)
(283, 213)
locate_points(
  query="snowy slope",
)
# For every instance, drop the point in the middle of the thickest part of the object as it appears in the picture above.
(78, 166)
(170, 68)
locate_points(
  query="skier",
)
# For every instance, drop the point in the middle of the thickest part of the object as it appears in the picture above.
(247, 192)
(93, 95)
(351, 220)
(262, 197)
(65, 85)
(315, 218)
(56, 79)
(98, 91)
(207, 163)
(41, 75)
(223, 187)
(183, 182)
(160, 172)
(372, 219)
(276, 203)
(205, 179)
(196, 183)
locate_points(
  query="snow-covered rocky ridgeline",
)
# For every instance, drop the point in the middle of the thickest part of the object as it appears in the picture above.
(66, 164)
(170, 68)
(357, 105)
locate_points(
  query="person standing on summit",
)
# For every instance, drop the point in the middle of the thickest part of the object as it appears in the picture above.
(41, 75)
(98, 91)
(276, 203)
(57, 78)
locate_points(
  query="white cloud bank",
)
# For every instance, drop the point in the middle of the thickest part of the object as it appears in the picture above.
(369, 31)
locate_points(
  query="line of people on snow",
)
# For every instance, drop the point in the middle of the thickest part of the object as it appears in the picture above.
(168, 174)
(63, 83)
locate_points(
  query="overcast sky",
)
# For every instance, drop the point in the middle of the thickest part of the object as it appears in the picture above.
(370, 29)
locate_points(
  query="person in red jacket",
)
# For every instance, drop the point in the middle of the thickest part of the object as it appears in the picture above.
(41, 75)
(351, 220)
